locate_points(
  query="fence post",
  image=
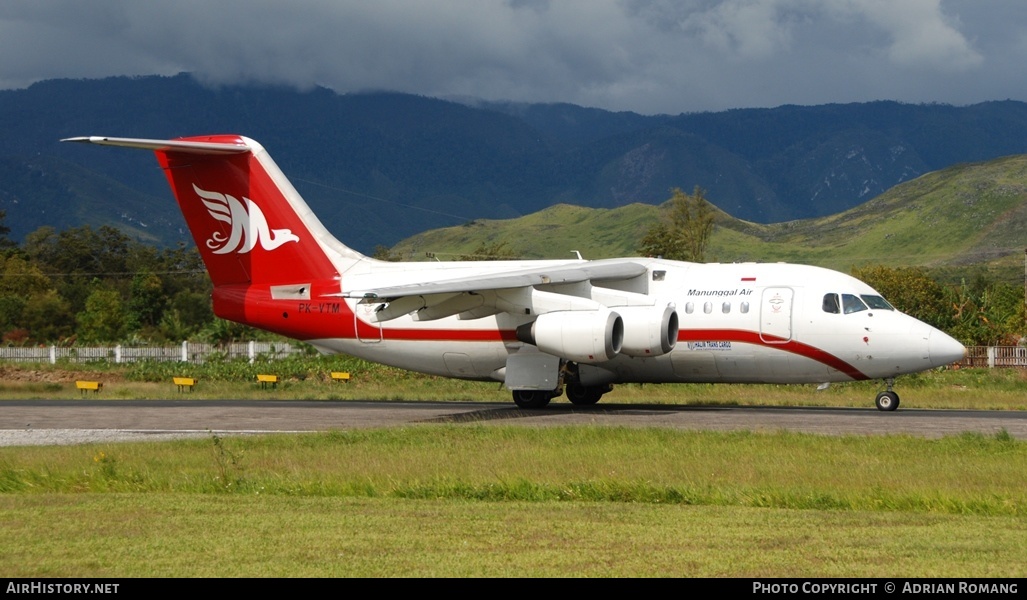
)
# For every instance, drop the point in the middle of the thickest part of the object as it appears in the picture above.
(991, 357)
(117, 353)
(252, 350)
(53, 355)
(185, 351)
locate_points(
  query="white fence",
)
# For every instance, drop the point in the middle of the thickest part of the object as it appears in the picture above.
(977, 356)
(186, 352)
(995, 357)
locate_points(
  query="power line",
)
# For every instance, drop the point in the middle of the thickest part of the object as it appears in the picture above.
(380, 199)
(104, 274)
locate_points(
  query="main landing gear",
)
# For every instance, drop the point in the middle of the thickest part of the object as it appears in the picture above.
(887, 400)
(579, 395)
(586, 395)
(532, 398)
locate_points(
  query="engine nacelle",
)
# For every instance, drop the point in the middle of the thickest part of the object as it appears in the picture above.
(586, 336)
(649, 330)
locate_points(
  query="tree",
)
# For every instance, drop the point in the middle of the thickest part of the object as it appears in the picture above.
(978, 313)
(29, 304)
(6, 243)
(80, 256)
(385, 253)
(48, 317)
(659, 241)
(1010, 309)
(987, 313)
(489, 251)
(190, 312)
(20, 277)
(685, 234)
(103, 319)
(83, 250)
(910, 290)
(146, 300)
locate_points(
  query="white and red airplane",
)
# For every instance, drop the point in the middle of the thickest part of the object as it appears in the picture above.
(541, 327)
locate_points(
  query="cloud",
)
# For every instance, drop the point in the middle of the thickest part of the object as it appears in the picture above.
(643, 55)
(920, 33)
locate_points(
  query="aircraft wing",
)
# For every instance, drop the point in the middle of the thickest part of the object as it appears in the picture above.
(565, 273)
(514, 291)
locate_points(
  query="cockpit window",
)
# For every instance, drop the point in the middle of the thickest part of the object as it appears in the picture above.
(876, 302)
(831, 304)
(852, 304)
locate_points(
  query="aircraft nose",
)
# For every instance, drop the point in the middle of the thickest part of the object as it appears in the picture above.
(944, 349)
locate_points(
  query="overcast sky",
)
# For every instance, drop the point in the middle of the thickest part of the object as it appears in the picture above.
(646, 56)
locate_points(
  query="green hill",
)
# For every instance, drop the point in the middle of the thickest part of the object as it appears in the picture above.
(377, 167)
(971, 214)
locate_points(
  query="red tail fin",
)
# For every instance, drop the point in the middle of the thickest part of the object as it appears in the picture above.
(250, 225)
(268, 256)
(243, 213)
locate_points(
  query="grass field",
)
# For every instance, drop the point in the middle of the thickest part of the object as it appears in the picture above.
(495, 501)
(457, 501)
(308, 378)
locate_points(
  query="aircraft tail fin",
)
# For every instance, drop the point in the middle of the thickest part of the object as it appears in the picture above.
(248, 221)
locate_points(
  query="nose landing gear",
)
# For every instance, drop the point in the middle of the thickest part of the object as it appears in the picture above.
(887, 400)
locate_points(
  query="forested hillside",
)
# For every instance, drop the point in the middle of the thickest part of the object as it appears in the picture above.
(380, 167)
(945, 247)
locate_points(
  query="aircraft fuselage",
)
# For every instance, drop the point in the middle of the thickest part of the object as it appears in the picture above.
(739, 323)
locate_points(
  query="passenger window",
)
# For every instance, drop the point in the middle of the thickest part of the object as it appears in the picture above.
(744, 307)
(831, 304)
(707, 308)
(689, 307)
(726, 308)
(659, 275)
(852, 304)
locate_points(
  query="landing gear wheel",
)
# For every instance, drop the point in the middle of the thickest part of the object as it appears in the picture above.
(531, 398)
(581, 395)
(887, 401)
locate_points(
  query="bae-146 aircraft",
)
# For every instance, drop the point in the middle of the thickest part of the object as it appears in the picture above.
(542, 327)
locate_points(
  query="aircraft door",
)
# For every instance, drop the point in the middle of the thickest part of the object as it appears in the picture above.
(776, 315)
(368, 331)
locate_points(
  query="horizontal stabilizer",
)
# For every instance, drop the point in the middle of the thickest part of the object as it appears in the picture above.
(194, 147)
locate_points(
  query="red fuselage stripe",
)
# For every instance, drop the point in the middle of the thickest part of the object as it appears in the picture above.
(752, 337)
(685, 335)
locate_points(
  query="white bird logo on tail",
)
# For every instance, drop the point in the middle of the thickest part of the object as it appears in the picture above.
(247, 222)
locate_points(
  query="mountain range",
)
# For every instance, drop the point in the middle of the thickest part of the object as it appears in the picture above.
(968, 215)
(381, 167)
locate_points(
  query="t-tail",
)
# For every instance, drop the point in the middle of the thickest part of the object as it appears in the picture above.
(259, 240)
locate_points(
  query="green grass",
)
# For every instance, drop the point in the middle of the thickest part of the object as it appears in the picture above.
(457, 501)
(483, 462)
(474, 500)
(983, 475)
(175, 535)
(307, 378)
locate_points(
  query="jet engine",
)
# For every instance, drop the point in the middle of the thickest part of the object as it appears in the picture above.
(649, 330)
(585, 336)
